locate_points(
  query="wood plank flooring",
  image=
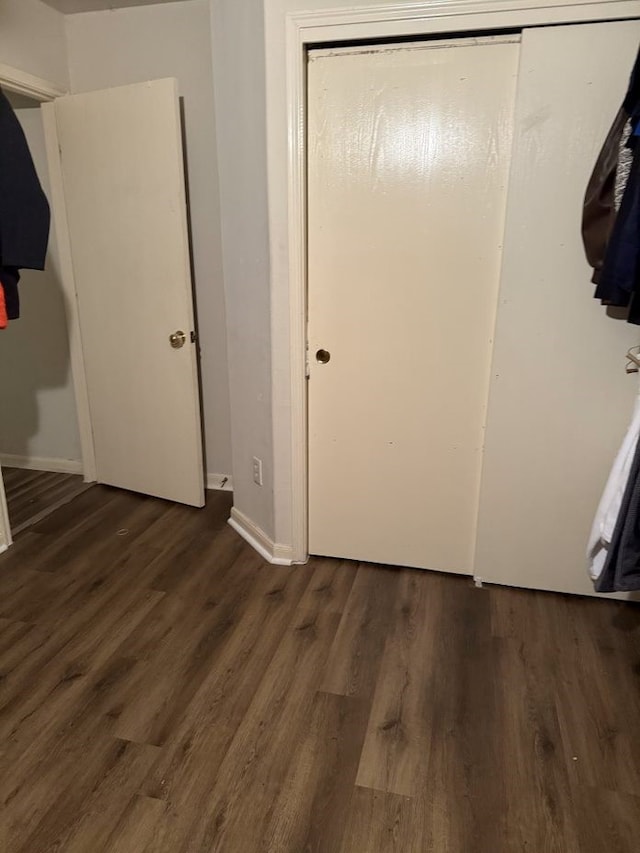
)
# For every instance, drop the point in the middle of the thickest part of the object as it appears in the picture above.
(32, 495)
(163, 690)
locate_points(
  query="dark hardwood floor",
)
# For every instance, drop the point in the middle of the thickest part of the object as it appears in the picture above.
(32, 495)
(163, 690)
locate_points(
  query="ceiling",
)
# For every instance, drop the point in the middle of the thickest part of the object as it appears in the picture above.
(71, 6)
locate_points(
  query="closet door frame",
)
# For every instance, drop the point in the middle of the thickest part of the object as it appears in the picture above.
(45, 92)
(289, 286)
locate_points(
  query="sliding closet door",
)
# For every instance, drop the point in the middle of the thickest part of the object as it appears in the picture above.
(409, 151)
(560, 399)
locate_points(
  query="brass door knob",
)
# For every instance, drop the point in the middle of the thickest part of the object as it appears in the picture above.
(322, 356)
(177, 339)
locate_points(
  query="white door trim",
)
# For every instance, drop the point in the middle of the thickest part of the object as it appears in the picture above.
(304, 29)
(14, 80)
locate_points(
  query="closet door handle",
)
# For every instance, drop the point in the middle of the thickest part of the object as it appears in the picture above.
(177, 339)
(323, 356)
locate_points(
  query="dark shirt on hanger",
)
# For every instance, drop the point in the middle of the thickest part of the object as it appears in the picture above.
(24, 209)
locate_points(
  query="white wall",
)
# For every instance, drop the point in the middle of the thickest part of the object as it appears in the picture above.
(123, 46)
(38, 413)
(238, 67)
(32, 38)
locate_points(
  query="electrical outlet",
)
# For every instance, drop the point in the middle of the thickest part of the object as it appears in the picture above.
(257, 471)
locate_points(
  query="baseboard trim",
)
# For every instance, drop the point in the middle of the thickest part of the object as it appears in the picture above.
(278, 555)
(220, 482)
(41, 463)
(3, 548)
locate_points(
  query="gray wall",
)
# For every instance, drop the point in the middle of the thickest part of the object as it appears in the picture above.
(32, 38)
(238, 73)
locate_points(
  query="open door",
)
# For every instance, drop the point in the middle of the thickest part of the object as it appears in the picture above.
(122, 186)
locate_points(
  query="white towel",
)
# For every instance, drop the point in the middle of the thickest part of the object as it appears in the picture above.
(609, 507)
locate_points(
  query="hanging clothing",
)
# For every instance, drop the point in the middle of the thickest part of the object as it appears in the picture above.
(611, 233)
(623, 169)
(24, 209)
(621, 569)
(9, 278)
(618, 277)
(611, 212)
(599, 211)
(609, 509)
(4, 320)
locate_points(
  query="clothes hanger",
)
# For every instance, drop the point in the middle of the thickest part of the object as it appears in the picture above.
(633, 360)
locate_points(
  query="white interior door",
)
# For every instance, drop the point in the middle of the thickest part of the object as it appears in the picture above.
(409, 150)
(124, 192)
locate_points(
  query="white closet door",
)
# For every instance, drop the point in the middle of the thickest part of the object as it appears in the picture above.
(124, 192)
(560, 400)
(409, 150)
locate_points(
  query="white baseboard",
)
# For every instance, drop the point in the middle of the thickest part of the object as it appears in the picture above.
(221, 482)
(279, 555)
(41, 463)
(3, 548)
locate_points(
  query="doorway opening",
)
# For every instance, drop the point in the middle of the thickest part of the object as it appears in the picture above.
(126, 351)
(40, 449)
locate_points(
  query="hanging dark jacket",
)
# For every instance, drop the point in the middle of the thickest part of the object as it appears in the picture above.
(24, 210)
(599, 212)
(618, 276)
(609, 235)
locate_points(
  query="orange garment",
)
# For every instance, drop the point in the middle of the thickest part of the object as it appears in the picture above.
(4, 321)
